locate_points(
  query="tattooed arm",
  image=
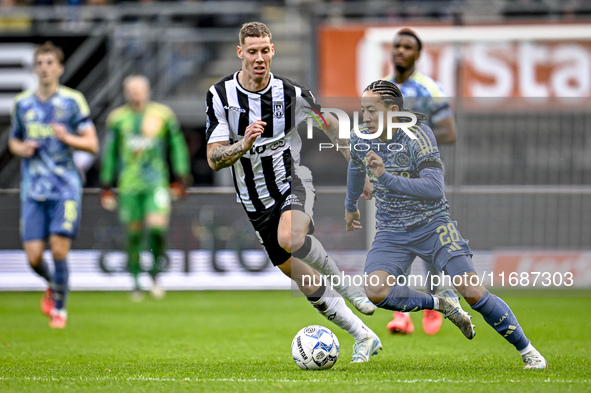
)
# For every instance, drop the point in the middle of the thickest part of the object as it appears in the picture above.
(221, 155)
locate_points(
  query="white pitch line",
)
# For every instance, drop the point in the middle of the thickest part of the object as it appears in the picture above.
(206, 380)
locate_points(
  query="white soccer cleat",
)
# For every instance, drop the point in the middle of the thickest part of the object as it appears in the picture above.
(356, 296)
(534, 361)
(366, 348)
(157, 292)
(452, 310)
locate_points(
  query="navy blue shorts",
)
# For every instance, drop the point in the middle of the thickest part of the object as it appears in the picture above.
(437, 242)
(39, 219)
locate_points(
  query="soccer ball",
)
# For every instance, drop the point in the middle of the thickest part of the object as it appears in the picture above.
(315, 348)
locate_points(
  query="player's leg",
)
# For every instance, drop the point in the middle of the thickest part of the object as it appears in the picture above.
(493, 309)
(131, 215)
(432, 320)
(157, 218)
(401, 322)
(64, 221)
(386, 263)
(34, 232)
(60, 246)
(294, 236)
(331, 305)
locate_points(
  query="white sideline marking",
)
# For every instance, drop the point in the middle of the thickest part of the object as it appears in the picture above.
(407, 381)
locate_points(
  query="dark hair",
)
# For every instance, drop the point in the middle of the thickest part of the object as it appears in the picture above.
(49, 47)
(254, 29)
(409, 32)
(390, 94)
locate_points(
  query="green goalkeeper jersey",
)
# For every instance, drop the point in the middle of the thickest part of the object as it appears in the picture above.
(136, 149)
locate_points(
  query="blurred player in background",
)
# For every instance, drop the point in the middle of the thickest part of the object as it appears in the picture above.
(424, 95)
(48, 124)
(413, 220)
(139, 134)
(252, 117)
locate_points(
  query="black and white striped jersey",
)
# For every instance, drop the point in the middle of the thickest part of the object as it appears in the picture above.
(264, 174)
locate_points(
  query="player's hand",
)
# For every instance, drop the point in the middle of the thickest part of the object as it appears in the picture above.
(251, 133)
(61, 132)
(352, 221)
(177, 191)
(375, 164)
(28, 148)
(108, 200)
(367, 189)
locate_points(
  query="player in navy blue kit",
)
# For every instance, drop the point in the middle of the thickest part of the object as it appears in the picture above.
(413, 220)
(422, 94)
(48, 124)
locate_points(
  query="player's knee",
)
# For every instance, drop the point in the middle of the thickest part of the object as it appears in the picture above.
(291, 240)
(376, 293)
(35, 259)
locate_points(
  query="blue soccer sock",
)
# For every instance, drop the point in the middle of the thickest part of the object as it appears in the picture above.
(42, 270)
(498, 315)
(403, 298)
(59, 285)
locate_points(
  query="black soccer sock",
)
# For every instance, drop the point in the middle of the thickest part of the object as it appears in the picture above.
(156, 238)
(134, 241)
(42, 270)
(313, 298)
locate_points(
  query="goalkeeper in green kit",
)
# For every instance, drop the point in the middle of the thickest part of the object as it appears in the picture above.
(135, 152)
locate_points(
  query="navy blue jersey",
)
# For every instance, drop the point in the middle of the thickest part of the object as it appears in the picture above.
(406, 157)
(50, 174)
(422, 94)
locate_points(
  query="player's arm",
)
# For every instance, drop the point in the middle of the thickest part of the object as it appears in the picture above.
(445, 130)
(17, 146)
(333, 134)
(429, 184)
(355, 183)
(84, 137)
(107, 174)
(222, 155)
(442, 118)
(179, 157)
(85, 140)
(21, 148)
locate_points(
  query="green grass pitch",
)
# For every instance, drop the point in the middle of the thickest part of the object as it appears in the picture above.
(240, 342)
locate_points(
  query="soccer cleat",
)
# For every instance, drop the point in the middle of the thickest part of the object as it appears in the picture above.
(401, 324)
(366, 348)
(58, 319)
(452, 310)
(356, 296)
(534, 361)
(157, 292)
(432, 321)
(47, 302)
(136, 296)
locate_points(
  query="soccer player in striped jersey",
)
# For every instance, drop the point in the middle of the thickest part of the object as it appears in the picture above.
(251, 127)
(48, 124)
(139, 135)
(424, 95)
(413, 220)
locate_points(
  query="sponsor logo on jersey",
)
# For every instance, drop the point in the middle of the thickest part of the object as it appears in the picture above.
(235, 109)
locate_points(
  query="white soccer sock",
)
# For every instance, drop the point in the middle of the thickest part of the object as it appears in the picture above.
(527, 349)
(436, 303)
(319, 259)
(333, 307)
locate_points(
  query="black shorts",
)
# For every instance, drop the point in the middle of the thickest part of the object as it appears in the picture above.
(266, 222)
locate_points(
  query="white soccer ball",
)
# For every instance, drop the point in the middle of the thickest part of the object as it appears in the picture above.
(315, 348)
